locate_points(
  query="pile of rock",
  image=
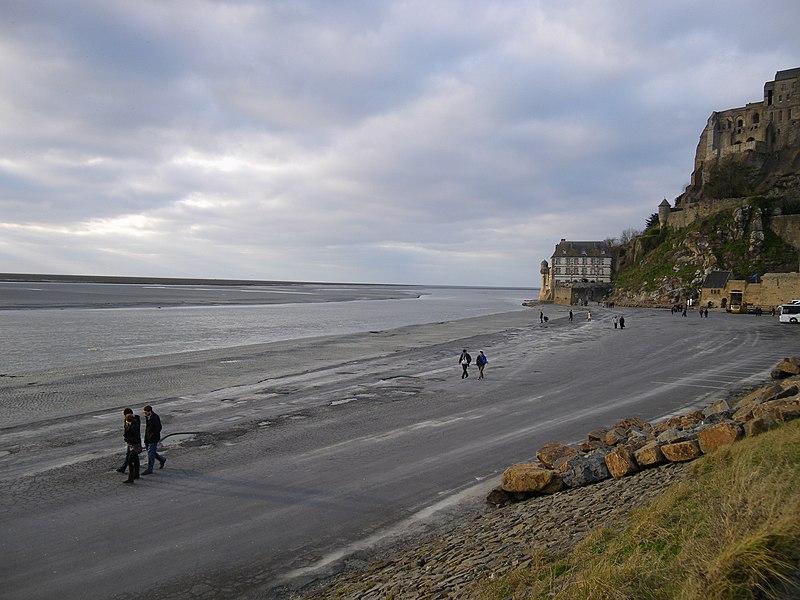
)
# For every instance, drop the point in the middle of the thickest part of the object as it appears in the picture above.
(631, 445)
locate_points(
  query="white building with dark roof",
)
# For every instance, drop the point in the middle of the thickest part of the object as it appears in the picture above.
(580, 262)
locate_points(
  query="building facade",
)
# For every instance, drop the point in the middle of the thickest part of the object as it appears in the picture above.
(579, 272)
(773, 123)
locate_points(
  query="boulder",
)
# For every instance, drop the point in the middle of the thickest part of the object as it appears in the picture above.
(691, 420)
(790, 411)
(649, 455)
(719, 435)
(529, 477)
(620, 462)
(681, 451)
(632, 423)
(498, 496)
(550, 453)
(718, 407)
(591, 445)
(597, 434)
(787, 392)
(759, 425)
(775, 409)
(786, 368)
(673, 436)
(585, 470)
(614, 436)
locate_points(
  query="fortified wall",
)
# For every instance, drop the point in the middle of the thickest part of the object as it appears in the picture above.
(761, 127)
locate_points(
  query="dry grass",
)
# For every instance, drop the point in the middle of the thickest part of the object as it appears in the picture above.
(730, 530)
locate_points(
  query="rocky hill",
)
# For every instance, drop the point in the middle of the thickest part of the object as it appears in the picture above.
(741, 213)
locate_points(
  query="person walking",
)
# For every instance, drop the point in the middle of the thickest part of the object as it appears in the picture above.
(541, 317)
(615, 322)
(152, 435)
(570, 315)
(622, 322)
(464, 361)
(481, 361)
(133, 436)
(127, 461)
(589, 316)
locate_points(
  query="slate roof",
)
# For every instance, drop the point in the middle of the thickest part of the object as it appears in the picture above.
(565, 248)
(717, 279)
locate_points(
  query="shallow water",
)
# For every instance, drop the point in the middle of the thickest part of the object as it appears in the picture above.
(60, 337)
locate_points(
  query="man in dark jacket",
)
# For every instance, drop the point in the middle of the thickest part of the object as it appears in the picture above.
(152, 435)
(127, 461)
(133, 437)
(464, 360)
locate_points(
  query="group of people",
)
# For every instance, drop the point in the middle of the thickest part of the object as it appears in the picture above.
(465, 360)
(620, 322)
(132, 433)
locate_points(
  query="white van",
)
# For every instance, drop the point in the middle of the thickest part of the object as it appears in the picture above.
(790, 313)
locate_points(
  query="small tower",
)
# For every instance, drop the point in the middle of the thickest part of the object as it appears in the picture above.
(663, 212)
(545, 293)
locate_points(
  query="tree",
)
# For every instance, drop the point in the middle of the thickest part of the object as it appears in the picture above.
(651, 222)
(627, 235)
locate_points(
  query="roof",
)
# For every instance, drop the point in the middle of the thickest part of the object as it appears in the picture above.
(566, 248)
(787, 74)
(717, 279)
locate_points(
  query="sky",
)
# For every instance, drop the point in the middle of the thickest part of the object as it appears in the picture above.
(414, 142)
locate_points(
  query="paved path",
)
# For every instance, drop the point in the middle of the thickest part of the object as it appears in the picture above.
(312, 451)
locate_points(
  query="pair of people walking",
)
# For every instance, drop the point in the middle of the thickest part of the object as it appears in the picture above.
(465, 360)
(133, 438)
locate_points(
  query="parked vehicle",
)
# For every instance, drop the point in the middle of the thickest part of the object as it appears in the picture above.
(790, 313)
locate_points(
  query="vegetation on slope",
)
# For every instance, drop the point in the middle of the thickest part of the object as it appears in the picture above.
(668, 265)
(731, 530)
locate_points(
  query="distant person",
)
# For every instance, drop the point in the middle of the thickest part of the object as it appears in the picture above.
(589, 316)
(152, 435)
(622, 322)
(570, 315)
(615, 322)
(481, 361)
(464, 361)
(541, 317)
(684, 312)
(133, 436)
(127, 461)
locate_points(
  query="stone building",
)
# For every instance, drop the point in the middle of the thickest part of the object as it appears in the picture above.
(580, 272)
(770, 124)
(720, 290)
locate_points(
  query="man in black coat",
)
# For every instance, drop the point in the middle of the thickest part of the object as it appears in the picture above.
(133, 438)
(127, 461)
(152, 435)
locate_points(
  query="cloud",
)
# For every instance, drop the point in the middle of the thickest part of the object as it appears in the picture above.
(391, 141)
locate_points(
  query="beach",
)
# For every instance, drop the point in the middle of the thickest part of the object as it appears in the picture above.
(290, 458)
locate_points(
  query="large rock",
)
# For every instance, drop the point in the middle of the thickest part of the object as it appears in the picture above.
(614, 436)
(681, 451)
(585, 470)
(498, 496)
(760, 425)
(786, 368)
(552, 452)
(529, 477)
(649, 455)
(620, 462)
(719, 435)
(718, 407)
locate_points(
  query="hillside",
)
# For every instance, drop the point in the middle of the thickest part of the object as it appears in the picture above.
(665, 265)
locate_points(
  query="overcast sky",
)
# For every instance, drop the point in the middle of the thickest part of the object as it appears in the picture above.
(432, 142)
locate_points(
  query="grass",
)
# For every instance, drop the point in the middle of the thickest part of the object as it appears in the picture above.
(731, 530)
